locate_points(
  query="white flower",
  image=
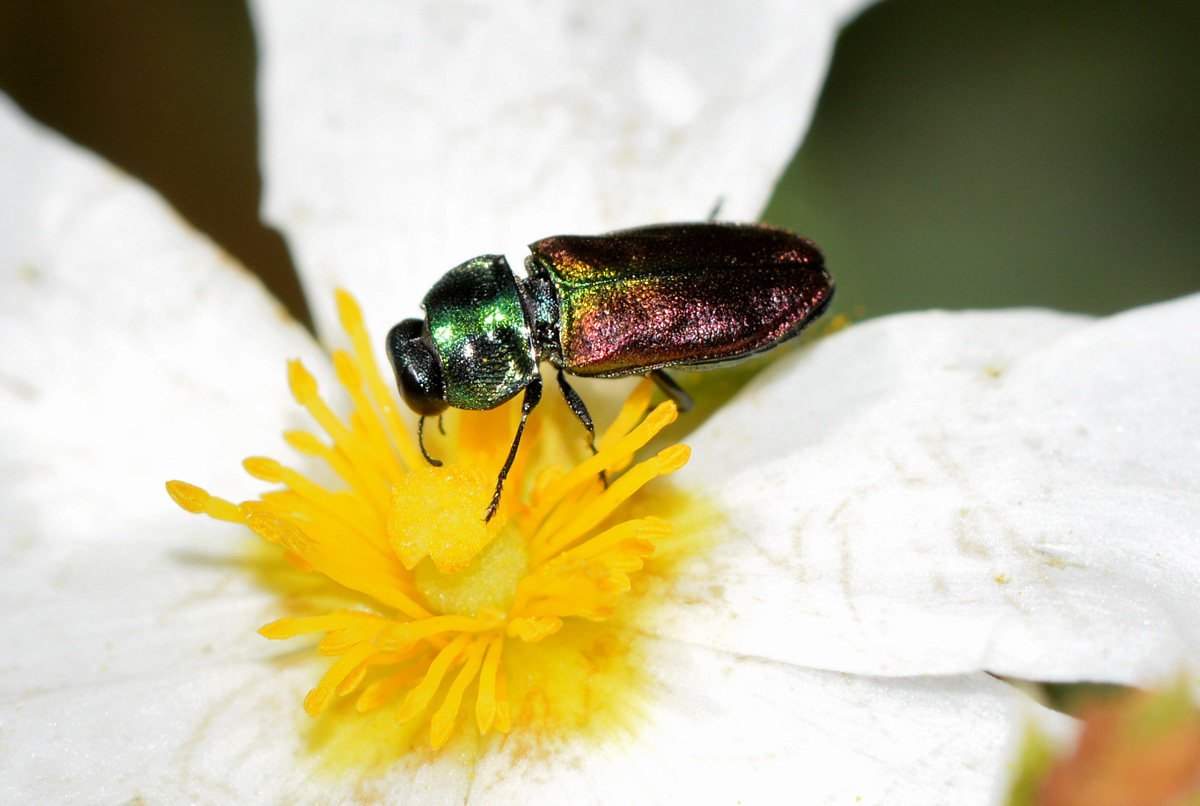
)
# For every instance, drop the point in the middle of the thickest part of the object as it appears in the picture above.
(900, 508)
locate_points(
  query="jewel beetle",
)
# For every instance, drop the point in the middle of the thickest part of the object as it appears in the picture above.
(637, 301)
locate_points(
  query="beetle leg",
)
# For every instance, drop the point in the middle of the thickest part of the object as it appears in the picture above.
(421, 442)
(575, 402)
(533, 394)
(578, 409)
(672, 390)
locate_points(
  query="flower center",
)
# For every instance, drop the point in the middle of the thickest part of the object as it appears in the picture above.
(487, 583)
(450, 590)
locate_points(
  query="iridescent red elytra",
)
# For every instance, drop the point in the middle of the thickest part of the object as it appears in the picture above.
(631, 302)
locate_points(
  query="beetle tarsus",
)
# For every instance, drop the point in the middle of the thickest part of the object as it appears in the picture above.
(421, 441)
(533, 394)
(673, 390)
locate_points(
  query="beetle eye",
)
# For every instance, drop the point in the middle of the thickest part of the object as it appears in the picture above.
(418, 373)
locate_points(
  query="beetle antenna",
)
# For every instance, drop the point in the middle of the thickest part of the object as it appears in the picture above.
(441, 428)
(533, 394)
(421, 441)
(716, 210)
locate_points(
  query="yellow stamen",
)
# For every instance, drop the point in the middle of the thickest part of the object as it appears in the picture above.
(668, 461)
(318, 699)
(443, 719)
(304, 389)
(338, 620)
(378, 692)
(630, 415)
(351, 317)
(366, 578)
(359, 673)
(485, 702)
(406, 634)
(502, 720)
(342, 508)
(376, 443)
(584, 472)
(534, 628)
(648, 530)
(196, 501)
(419, 697)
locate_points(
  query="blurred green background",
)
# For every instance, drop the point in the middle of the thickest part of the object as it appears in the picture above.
(994, 154)
(984, 154)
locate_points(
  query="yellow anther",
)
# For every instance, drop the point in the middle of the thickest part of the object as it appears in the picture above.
(278, 530)
(196, 500)
(305, 442)
(188, 496)
(301, 382)
(535, 628)
(318, 699)
(264, 469)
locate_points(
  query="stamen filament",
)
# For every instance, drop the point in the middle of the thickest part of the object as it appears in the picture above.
(363, 579)
(404, 635)
(349, 509)
(309, 444)
(631, 413)
(380, 691)
(650, 529)
(503, 720)
(334, 531)
(567, 506)
(485, 701)
(339, 641)
(337, 620)
(443, 719)
(419, 697)
(356, 676)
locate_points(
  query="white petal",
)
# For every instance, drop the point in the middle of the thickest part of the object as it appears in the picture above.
(721, 728)
(134, 352)
(1014, 491)
(231, 734)
(401, 139)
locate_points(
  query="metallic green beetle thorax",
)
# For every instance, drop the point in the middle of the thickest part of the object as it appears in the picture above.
(479, 328)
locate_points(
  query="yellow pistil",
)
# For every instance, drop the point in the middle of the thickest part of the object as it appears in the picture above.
(446, 590)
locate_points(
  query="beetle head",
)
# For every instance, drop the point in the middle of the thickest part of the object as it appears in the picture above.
(418, 370)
